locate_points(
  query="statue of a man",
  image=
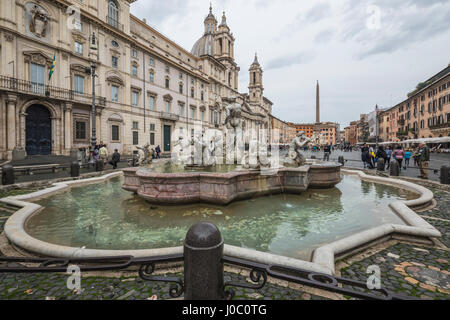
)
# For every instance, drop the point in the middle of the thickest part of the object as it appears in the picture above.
(296, 146)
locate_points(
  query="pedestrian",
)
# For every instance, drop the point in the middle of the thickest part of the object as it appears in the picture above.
(408, 155)
(326, 153)
(115, 159)
(381, 154)
(104, 153)
(424, 160)
(388, 157)
(398, 155)
(365, 157)
(158, 152)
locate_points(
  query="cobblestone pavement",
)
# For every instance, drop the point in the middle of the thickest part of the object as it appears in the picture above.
(409, 269)
(412, 269)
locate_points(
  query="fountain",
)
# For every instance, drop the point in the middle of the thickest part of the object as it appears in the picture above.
(204, 178)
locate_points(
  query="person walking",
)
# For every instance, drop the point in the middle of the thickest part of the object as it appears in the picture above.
(115, 159)
(104, 154)
(158, 152)
(326, 153)
(398, 155)
(424, 160)
(408, 155)
(388, 157)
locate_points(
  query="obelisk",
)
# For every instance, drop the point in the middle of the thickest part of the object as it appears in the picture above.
(317, 103)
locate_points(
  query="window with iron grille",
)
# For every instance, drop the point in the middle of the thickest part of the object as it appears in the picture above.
(135, 138)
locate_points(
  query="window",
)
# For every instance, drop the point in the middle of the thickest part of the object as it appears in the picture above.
(135, 138)
(192, 113)
(167, 83)
(134, 53)
(152, 103)
(167, 107)
(113, 13)
(115, 93)
(135, 125)
(115, 133)
(202, 96)
(80, 130)
(181, 75)
(114, 62)
(78, 25)
(167, 69)
(37, 75)
(181, 109)
(180, 88)
(202, 114)
(192, 93)
(78, 84)
(134, 70)
(134, 98)
(114, 43)
(78, 47)
(152, 77)
(152, 62)
(152, 138)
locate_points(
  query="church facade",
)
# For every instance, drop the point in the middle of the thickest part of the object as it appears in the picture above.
(148, 88)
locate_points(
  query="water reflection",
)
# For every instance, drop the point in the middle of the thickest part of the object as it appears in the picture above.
(104, 216)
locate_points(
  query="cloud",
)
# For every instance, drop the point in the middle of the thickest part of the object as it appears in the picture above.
(158, 11)
(289, 60)
(324, 36)
(402, 24)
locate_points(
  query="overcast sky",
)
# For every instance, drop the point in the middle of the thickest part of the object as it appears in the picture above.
(362, 52)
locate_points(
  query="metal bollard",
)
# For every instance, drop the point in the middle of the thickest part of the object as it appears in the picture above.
(74, 169)
(99, 165)
(394, 168)
(445, 174)
(203, 266)
(341, 160)
(8, 175)
(380, 164)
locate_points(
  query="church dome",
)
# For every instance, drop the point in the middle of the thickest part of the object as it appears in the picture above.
(204, 46)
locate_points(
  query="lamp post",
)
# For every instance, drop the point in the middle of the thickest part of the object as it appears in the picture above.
(93, 47)
(376, 125)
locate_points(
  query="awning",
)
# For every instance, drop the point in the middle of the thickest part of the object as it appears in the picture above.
(422, 140)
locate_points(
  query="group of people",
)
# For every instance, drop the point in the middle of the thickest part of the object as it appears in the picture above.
(420, 155)
(100, 152)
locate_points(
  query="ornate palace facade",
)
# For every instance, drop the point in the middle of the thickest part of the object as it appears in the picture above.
(147, 86)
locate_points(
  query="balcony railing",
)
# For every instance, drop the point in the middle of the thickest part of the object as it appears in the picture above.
(402, 133)
(168, 116)
(440, 126)
(114, 22)
(37, 89)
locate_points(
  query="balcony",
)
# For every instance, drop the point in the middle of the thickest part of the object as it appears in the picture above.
(401, 122)
(402, 134)
(440, 126)
(114, 23)
(35, 89)
(168, 116)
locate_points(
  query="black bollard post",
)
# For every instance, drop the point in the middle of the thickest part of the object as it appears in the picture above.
(203, 266)
(445, 174)
(394, 168)
(341, 160)
(99, 165)
(380, 164)
(74, 169)
(8, 175)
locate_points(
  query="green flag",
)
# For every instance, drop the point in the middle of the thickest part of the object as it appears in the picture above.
(52, 69)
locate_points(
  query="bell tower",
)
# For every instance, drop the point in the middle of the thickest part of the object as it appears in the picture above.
(256, 88)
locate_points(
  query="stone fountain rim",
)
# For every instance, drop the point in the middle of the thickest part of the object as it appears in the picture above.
(323, 258)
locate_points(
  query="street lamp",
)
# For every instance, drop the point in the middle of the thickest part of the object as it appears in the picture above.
(93, 46)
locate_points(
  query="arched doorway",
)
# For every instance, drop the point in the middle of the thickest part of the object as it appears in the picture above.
(38, 130)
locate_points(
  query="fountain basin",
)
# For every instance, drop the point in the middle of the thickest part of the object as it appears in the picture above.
(224, 188)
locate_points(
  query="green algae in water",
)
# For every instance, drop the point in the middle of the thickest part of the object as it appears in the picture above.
(104, 216)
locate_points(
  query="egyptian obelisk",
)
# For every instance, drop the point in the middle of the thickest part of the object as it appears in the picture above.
(317, 103)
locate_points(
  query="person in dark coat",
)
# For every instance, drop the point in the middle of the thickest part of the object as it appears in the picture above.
(115, 159)
(158, 152)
